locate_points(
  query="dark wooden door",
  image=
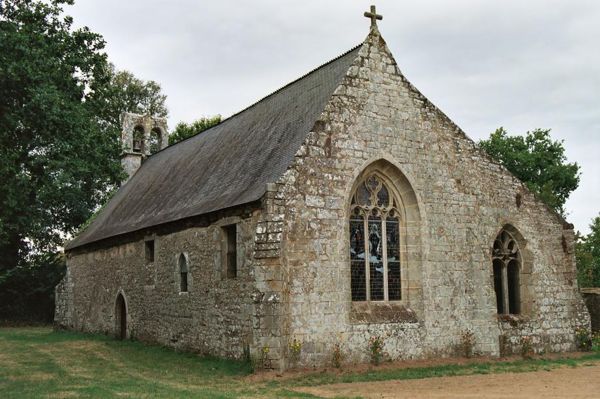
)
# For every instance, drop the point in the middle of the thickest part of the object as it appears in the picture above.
(121, 313)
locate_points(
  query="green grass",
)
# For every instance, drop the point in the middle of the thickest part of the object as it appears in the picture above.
(518, 366)
(38, 362)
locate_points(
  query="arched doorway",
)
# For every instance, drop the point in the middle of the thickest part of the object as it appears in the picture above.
(120, 317)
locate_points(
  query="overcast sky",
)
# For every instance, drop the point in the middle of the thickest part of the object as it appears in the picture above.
(513, 63)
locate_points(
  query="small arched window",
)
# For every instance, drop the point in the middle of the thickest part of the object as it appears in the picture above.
(138, 139)
(155, 140)
(375, 242)
(183, 273)
(506, 258)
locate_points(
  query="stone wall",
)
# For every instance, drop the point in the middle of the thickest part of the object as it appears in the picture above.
(460, 201)
(592, 301)
(63, 311)
(214, 317)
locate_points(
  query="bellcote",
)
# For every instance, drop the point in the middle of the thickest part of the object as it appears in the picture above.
(141, 136)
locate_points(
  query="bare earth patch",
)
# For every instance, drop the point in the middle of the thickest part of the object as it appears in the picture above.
(566, 382)
(268, 375)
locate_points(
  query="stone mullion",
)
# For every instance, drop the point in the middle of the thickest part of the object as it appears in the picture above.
(384, 257)
(367, 257)
(505, 287)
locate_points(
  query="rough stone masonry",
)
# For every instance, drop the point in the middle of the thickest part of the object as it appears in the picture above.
(425, 271)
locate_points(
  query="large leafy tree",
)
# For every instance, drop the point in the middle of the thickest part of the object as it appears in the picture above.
(184, 130)
(126, 93)
(587, 252)
(538, 161)
(60, 102)
(58, 154)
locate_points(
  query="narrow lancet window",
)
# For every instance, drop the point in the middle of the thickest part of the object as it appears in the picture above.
(230, 233)
(149, 250)
(183, 273)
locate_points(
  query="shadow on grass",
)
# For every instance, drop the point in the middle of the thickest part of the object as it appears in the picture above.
(38, 362)
(145, 355)
(41, 335)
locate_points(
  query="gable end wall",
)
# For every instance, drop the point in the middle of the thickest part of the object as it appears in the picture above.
(464, 200)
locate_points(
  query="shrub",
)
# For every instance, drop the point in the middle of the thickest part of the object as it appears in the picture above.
(583, 339)
(337, 356)
(526, 347)
(468, 342)
(265, 361)
(596, 342)
(375, 349)
(295, 348)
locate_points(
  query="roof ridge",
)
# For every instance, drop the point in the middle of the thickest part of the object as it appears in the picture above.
(268, 95)
(254, 147)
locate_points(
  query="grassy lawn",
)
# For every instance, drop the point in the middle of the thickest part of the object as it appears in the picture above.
(38, 362)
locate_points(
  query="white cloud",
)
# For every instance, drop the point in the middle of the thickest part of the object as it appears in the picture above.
(517, 64)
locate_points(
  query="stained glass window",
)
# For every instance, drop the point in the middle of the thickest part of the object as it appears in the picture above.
(393, 257)
(374, 243)
(375, 258)
(357, 258)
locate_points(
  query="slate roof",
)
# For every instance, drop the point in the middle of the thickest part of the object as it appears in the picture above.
(227, 165)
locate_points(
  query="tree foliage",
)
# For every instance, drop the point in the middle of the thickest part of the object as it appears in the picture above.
(126, 93)
(587, 252)
(56, 164)
(538, 161)
(60, 102)
(27, 291)
(184, 130)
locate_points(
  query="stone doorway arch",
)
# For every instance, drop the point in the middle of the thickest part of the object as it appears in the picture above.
(120, 317)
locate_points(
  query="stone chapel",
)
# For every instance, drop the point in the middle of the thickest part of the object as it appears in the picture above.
(341, 207)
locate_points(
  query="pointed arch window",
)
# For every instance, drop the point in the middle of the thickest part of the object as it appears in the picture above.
(506, 259)
(183, 273)
(375, 242)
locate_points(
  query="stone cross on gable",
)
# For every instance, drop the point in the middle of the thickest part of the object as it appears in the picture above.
(374, 16)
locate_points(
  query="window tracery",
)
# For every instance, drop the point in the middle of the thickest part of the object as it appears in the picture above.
(506, 259)
(375, 243)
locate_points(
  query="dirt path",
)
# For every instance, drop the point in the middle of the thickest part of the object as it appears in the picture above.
(573, 383)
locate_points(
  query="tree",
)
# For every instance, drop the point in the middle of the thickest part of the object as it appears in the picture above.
(57, 162)
(184, 130)
(27, 291)
(126, 93)
(587, 252)
(538, 161)
(60, 102)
